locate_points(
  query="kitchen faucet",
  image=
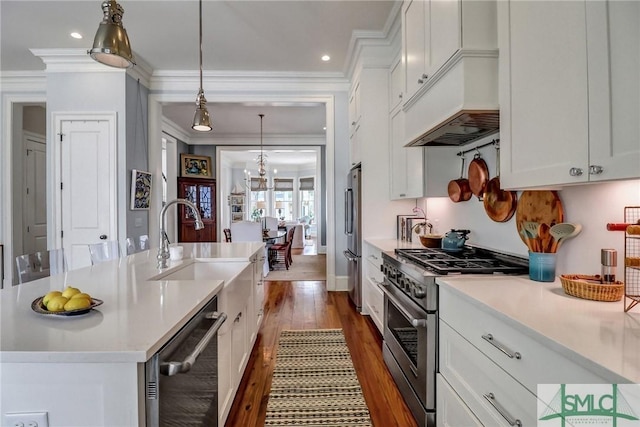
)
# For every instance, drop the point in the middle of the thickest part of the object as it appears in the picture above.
(163, 251)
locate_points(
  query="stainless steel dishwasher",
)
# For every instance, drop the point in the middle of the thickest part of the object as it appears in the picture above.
(182, 377)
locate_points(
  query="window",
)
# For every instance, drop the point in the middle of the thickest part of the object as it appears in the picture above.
(257, 200)
(307, 201)
(283, 198)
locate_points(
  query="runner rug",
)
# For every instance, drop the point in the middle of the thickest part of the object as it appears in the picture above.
(314, 382)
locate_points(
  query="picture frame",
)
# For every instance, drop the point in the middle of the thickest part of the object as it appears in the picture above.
(140, 190)
(195, 166)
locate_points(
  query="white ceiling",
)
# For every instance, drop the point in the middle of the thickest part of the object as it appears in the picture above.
(244, 36)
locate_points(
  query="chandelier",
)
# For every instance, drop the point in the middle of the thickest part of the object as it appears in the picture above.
(261, 161)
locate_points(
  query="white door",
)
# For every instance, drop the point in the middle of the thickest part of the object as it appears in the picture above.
(34, 236)
(88, 186)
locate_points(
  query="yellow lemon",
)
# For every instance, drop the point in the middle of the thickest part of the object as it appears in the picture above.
(77, 304)
(57, 303)
(47, 297)
(70, 291)
(81, 295)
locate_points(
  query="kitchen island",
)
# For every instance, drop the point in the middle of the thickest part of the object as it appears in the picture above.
(88, 370)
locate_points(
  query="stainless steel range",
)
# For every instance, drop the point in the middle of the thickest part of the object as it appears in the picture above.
(411, 314)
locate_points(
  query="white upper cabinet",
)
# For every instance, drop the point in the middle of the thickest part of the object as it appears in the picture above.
(396, 84)
(407, 163)
(431, 35)
(355, 114)
(569, 92)
(613, 43)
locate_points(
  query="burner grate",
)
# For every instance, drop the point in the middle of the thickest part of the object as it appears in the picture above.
(468, 261)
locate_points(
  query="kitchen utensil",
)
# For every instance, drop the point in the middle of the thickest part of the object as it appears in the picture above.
(454, 240)
(458, 189)
(563, 231)
(526, 239)
(538, 206)
(531, 228)
(478, 175)
(545, 237)
(499, 205)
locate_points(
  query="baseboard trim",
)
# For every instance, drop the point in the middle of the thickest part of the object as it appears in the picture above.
(342, 283)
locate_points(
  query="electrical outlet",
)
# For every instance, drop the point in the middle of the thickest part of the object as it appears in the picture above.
(26, 419)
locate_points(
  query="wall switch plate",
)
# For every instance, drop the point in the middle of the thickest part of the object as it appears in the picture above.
(137, 222)
(26, 419)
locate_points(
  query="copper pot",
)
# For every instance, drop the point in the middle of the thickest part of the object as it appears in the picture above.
(478, 175)
(458, 189)
(500, 205)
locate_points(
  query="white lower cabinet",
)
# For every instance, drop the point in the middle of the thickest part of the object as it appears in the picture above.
(373, 298)
(242, 301)
(452, 411)
(495, 365)
(493, 396)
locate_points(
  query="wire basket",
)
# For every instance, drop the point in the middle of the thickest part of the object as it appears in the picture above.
(590, 287)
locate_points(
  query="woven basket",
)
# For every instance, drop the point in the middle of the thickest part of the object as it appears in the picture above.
(589, 287)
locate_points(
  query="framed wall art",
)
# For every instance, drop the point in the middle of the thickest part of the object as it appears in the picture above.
(195, 166)
(140, 190)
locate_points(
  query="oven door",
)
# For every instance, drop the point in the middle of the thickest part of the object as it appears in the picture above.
(410, 335)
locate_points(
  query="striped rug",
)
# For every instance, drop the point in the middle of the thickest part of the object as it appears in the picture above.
(314, 382)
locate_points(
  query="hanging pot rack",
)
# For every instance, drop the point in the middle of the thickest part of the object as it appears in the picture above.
(492, 142)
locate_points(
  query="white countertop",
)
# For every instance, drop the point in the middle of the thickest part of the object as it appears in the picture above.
(390, 244)
(138, 315)
(593, 333)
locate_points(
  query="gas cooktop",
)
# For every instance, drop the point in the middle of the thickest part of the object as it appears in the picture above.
(469, 260)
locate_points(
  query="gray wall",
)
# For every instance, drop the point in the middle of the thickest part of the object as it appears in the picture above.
(137, 151)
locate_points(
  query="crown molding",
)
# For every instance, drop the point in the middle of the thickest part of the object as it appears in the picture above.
(23, 82)
(78, 60)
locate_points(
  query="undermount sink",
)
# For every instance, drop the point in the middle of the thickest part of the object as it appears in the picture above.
(202, 271)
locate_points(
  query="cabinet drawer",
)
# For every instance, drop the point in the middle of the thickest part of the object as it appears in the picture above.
(532, 365)
(450, 409)
(375, 303)
(475, 377)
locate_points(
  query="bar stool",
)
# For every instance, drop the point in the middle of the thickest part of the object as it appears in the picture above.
(40, 264)
(104, 251)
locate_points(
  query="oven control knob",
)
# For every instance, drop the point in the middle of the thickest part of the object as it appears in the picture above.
(419, 292)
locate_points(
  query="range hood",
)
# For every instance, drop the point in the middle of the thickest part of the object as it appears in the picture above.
(461, 128)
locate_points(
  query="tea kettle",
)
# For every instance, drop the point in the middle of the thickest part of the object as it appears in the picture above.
(454, 240)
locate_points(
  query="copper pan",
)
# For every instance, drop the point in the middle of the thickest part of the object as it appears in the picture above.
(458, 189)
(499, 205)
(478, 175)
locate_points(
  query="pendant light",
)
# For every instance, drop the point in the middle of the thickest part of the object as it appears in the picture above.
(201, 119)
(111, 43)
(262, 164)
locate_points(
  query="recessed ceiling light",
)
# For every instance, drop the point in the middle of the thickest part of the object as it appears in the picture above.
(324, 128)
(325, 58)
(76, 35)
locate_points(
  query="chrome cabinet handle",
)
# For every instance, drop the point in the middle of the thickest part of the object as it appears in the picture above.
(489, 338)
(172, 368)
(595, 170)
(492, 400)
(575, 171)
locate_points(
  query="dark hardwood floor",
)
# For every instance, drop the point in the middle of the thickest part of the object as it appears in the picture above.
(308, 305)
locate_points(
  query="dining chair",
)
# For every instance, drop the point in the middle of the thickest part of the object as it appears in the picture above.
(227, 234)
(143, 242)
(104, 251)
(130, 246)
(40, 264)
(281, 252)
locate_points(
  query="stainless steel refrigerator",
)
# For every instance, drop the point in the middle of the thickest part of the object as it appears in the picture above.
(353, 230)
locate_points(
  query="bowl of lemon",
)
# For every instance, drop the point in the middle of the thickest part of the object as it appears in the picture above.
(69, 302)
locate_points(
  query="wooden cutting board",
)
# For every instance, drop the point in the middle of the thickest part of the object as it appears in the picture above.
(539, 206)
